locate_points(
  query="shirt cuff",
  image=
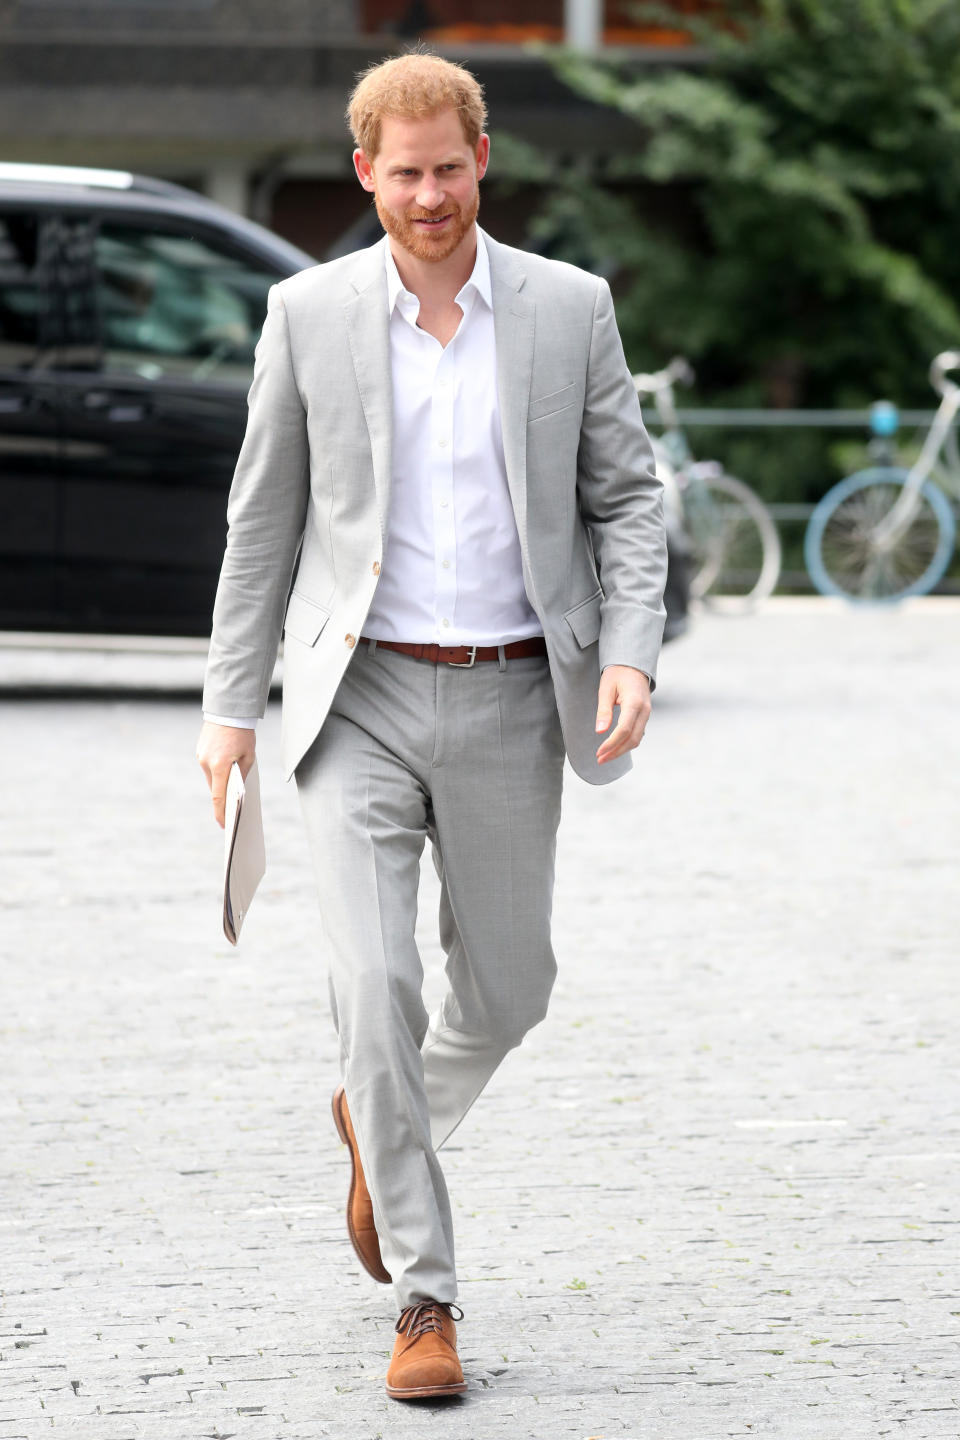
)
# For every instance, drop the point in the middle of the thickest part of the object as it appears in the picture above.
(244, 724)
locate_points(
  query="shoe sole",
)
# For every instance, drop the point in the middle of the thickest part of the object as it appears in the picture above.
(423, 1391)
(381, 1275)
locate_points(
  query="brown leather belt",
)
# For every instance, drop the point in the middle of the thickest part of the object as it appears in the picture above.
(463, 655)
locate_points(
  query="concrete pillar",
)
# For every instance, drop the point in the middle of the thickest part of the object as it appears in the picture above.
(227, 182)
(583, 24)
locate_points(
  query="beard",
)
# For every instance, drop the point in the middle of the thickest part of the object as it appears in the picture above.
(400, 226)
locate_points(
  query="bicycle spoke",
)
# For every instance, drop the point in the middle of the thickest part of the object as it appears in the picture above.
(864, 562)
(735, 542)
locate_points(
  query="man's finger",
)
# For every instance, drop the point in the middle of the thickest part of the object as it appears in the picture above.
(220, 747)
(604, 715)
(219, 808)
(606, 699)
(614, 743)
(627, 735)
(628, 718)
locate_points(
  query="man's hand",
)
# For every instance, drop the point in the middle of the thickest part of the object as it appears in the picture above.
(630, 689)
(217, 748)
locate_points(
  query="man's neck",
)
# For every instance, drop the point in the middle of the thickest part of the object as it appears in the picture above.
(437, 282)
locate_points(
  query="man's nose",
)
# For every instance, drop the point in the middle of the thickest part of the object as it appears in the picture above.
(430, 195)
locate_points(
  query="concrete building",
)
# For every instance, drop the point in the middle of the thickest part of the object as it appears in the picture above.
(244, 99)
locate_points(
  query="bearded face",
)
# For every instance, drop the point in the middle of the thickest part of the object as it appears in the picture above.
(425, 182)
(429, 235)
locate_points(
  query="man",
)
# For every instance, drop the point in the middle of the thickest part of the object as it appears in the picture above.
(446, 433)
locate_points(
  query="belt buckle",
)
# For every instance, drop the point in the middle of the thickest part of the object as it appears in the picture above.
(465, 664)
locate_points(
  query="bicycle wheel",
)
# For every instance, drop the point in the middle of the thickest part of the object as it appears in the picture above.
(736, 548)
(844, 556)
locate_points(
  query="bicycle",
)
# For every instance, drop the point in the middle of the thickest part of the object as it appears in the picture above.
(884, 532)
(736, 547)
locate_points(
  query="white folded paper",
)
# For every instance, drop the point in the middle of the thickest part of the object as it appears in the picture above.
(244, 855)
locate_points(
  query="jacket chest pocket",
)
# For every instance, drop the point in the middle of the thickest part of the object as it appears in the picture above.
(552, 403)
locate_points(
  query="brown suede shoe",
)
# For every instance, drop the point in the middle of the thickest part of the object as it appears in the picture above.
(360, 1226)
(425, 1360)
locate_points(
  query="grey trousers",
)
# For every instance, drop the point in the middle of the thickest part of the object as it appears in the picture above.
(472, 758)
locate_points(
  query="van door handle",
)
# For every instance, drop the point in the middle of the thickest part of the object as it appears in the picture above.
(15, 403)
(119, 409)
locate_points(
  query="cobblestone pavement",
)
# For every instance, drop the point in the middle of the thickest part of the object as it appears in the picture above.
(714, 1194)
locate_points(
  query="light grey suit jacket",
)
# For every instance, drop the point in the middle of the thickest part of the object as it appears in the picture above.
(313, 481)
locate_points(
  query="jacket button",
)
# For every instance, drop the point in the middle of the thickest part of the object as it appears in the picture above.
(350, 640)
(376, 567)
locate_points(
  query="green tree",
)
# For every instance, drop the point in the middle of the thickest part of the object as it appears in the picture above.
(789, 216)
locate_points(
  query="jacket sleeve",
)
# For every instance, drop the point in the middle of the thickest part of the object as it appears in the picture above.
(266, 515)
(621, 502)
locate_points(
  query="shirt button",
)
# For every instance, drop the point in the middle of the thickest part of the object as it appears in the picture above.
(446, 624)
(444, 504)
(350, 640)
(442, 443)
(376, 567)
(446, 564)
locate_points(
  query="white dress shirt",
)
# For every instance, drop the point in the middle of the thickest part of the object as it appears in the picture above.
(452, 572)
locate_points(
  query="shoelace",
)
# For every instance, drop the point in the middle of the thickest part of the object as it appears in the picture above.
(425, 1316)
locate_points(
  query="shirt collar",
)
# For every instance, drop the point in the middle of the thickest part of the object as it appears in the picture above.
(479, 282)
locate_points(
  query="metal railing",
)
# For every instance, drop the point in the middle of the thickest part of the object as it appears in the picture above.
(798, 419)
(792, 516)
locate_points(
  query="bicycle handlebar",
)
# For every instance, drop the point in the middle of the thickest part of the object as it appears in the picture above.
(946, 360)
(679, 371)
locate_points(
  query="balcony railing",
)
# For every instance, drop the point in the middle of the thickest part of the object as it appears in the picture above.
(584, 24)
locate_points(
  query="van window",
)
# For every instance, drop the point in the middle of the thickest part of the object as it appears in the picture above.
(173, 305)
(20, 291)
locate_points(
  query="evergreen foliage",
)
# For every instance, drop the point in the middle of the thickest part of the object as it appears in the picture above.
(789, 217)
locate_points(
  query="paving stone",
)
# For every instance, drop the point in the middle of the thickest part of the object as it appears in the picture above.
(714, 1194)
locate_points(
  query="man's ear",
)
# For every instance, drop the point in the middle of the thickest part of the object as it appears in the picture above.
(364, 169)
(483, 155)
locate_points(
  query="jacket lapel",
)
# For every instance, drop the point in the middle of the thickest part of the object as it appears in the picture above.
(369, 337)
(513, 323)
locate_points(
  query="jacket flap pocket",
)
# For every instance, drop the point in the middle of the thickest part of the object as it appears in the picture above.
(584, 620)
(305, 619)
(556, 400)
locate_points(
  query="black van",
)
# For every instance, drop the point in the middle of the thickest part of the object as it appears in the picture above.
(129, 313)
